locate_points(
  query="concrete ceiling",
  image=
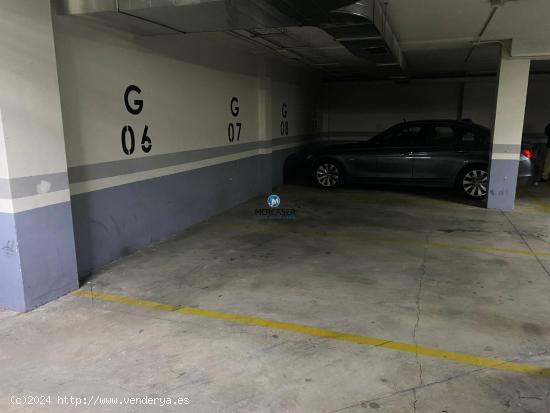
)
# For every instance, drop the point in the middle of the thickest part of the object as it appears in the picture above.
(437, 38)
(436, 35)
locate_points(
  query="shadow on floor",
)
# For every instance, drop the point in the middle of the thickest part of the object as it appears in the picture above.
(296, 174)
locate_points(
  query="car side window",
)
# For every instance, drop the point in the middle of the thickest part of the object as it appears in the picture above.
(439, 136)
(471, 138)
(401, 137)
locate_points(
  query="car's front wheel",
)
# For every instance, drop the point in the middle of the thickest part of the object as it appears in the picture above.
(328, 174)
(474, 182)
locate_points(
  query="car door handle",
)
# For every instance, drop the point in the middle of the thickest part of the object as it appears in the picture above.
(407, 153)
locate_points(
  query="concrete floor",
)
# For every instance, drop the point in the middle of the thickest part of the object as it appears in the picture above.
(355, 260)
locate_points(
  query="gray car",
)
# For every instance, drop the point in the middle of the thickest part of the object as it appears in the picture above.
(439, 153)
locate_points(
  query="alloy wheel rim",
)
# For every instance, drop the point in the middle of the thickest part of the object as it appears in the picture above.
(328, 175)
(475, 183)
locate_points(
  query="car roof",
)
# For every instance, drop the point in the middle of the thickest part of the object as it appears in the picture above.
(443, 121)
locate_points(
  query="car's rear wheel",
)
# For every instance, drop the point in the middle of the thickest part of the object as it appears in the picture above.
(474, 182)
(328, 174)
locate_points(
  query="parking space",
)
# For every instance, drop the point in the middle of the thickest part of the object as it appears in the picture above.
(345, 308)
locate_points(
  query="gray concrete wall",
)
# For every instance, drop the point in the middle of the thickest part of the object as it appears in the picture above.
(363, 109)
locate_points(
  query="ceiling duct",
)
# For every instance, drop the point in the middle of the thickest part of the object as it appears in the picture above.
(363, 28)
(360, 26)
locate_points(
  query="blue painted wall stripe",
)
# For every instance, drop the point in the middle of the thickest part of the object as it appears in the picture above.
(118, 221)
(11, 282)
(503, 178)
(38, 258)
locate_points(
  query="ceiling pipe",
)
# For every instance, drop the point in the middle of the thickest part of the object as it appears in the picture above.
(118, 9)
(476, 42)
(495, 5)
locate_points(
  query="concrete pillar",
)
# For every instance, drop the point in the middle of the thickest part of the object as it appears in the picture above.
(37, 253)
(265, 134)
(513, 81)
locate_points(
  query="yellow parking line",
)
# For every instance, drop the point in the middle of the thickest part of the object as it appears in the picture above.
(326, 333)
(405, 241)
(435, 244)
